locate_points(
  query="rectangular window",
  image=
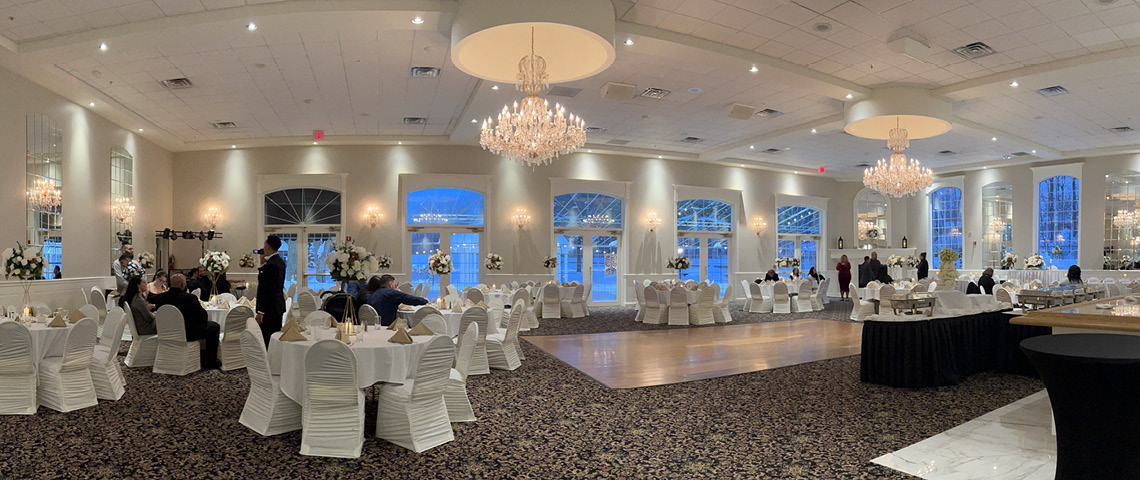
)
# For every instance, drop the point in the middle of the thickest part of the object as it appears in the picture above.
(465, 260)
(946, 223)
(570, 256)
(424, 245)
(690, 247)
(1058, 221)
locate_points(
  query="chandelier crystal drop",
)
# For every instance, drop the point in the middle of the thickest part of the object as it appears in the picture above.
(597, 221)
(124, 211)
(1126, 219)
(897, 177)
(531, 133)
(44, 195)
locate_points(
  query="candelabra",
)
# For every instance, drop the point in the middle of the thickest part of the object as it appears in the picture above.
(123, 211)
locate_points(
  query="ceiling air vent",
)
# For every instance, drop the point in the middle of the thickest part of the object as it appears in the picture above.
(768, 112)
(415, 121)
(1019, 154)
(1053, 91)
(974, 51)
(223, 125)
(947, 152)
(560, 91)
(1121, 129)
(691, 140)
(177, 83)
(618, 141)
(656, 93)
(430, 72)
(773, 150)
(595, 129)
(864, 165)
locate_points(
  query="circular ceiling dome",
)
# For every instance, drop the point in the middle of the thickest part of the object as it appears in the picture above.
(489, 37)
(910, 108)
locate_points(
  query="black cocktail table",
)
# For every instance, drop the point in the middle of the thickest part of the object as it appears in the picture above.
(1094, 386)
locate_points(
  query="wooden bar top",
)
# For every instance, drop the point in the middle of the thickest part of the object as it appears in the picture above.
(1122, 317)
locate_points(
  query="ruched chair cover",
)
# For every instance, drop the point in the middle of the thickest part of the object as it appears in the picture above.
(414, 414)
(64, 383)
(406, 287)
(40, 308)
(103, 343)
(435, 323)
(678, 306)
(106, 374)
(332, 415)
(475, 296)
(781, 302)
(175, 355)
(306, 304)
(319, 318)
(551, 303)
(17, 371)
(143, 349)
(292, 291)
(701, 313)
(932, 287)
(654, 311)
(862, 308)
(818, 298)
(886, 293)
(748, 298)
(226, 297)
(1002, 296)
(803, 298)
(455, 395)
(639, 295)
(229, 349)
(521, 294)
(368, 316)
(421, 313)
(572, 307)
(722, 311)
(760, 303)
(197, 292)
(585, 300)
(251, 292)
(267, 410)
(479, 364)
(502, 348)
(495, 309)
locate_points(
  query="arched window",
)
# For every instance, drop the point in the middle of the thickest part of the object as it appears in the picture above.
(798, 230)
(946, 223)
(704, 216)
(997, 218)
(1058, 220)
(444, 206)
(587, 210)
(302, 206)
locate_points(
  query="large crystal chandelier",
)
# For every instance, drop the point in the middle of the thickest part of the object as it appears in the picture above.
(864, 227)
(1126, 219)
(44, 195)
(123, 211)
(531, 133)
(898, 177)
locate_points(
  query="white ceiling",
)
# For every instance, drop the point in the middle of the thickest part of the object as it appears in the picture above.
(342, 66)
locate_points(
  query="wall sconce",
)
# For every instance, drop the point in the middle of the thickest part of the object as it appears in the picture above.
(212, 217)
(373, 216)
(652, 221)
(759, 225)
(521, 218)
(123, 211)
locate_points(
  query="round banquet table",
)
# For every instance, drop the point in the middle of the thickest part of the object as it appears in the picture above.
(691, 296)
(869, 293)
(1094, 383)
(48, 341)
(793, 289)
(451, 318)
(377, 359)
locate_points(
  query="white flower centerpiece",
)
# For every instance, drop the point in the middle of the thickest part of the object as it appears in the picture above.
(247, 261)
(494, 262)
(550, 262)
(349, 263)
(146, 260)
(440, 263)
(947, 270)
(26, 264)
(216, 264)
(1034, 262)
(1057, 252)
(680, 262)
(787, 262)
(1008, 261)
(384, 262)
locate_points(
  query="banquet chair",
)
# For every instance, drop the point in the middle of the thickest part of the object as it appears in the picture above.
(368, 316)
(414, 415)
(175, 355)
(143, 348)
(252, 326)
(267, 410)
(106, 374)
(478, 315)
(571, 307)
(435, 322)
(502, 347)
(748, 298)
(886, 294)
(585, 300)
(678, 306)
(251, 292)
(781, 302)
(90, 311)
(495, 309)
(1092, 280)
(306, 304)
(817, 298)
(319, 318)
(103, 342)
(653, 313)
(451, 290)
(451, 300)
(455, 394)
(475, 295)
(521, 294)
(690, 284)
(64, 383)
(41, 308)
(229, 349)
(1110, 280)
(405, 287)
(551, 302)
(227, 297)
(803, 298)
(197, 292)
(422, 312)
(17, 371)
(701, 313)
(862, 308)
(716, 292)
(332, 413)
(419, 290)
(639, 296)
(96, 299)
(1002, 296)
(932, 287)
(722, 311)
(760, 303)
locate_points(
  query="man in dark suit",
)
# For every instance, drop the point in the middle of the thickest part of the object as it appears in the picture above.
(387, 300)
(865, 272)
(923, 267)
(875, 265)
(198, 325)
(986, 281)
(270, 288)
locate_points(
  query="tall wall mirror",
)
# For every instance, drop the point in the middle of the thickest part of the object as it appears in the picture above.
(1121, 220)
(871, 212)
(997, 216)
(122, 199)
(44, 181)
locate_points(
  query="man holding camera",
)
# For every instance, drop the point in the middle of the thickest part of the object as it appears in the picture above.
(270, 288)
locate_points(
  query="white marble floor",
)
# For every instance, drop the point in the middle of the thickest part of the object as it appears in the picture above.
(1012, 442)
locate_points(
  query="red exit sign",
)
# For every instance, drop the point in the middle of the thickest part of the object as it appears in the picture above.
(318, 134)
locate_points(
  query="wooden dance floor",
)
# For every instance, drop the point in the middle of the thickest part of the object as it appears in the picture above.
(660, 357)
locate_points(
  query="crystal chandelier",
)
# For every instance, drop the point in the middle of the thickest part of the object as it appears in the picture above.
(865, 227)
(44, 195)
(533, 134)
(1126, 219)
(996, 229)
(123, 211)
(898, 177)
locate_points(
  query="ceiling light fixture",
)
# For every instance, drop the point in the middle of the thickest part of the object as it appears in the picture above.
(752, 147)
(90, 104)
(1126, 219)
(251, 27)
(897, 177)
(993, 139)
(399, 143)
(532, 133)
(123, 211)
(44, 196)
(494, 87)
(1014, 83)
(813, 130)
(418, 20)
(1033, 152)
(474, 120)
(233, 146)
(754, 69)
(140, 130)
(849, 96)
(103, 47)
(314, 143)
(629, 42)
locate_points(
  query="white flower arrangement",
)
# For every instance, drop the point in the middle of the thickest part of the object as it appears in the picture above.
(350, 263)
(680, 262)
(1008, 261)
(872, 233)
(787, 262)
(146, 260)
(384, 262)
(911, 262)
(550, 262)
(247, 261)
(216, 262)
(439, 263)
(1035, 262)
(895, 261)
(947, 255)
(494, 262)
(23, 262)
(1057, 252)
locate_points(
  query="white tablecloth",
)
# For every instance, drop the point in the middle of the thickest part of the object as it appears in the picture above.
(451, 318)
(873, 293)
(377, 359)
(793, 289)
(1046, 277)
(48, 341)
(691, 297)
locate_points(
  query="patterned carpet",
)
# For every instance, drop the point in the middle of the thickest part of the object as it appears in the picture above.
(620, 319)
(544, 420)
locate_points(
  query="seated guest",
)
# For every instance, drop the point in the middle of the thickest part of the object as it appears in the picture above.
(192, 280)
(134, 302)
(795, 273)
(198, 325)
(372, 286)
(882, 275)
(223, 285)
(865, 272)
(158, 285)
(1073, 277)
(771, 276)
(815, 275)
(387, 300)
(986, 282)
(205, 283)
(57, 273)
(123, 266)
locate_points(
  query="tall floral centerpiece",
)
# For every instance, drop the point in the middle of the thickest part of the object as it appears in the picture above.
(146, 260)
(26, 264)
(678, 263)
(1008, 261)
(348, 263)
(247, 261)
(550, 262)
(383, 262)
(216, 264)
(947, 270)
(494, 262)
(787, 262)
(1034, 262)
(1057, 252)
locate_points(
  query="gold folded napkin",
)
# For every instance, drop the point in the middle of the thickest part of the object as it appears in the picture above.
(76, 316)
(420, 329)
(57, 322)
(398, 324)
(292, 335)
(225, 305)
(401, 336)
(457, 308)
(481, 304)
(469, 303)
(291, 325)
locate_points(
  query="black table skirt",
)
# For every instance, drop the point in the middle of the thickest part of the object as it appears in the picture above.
(930, 353)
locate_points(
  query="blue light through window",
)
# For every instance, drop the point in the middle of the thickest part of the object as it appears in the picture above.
(445, 206)
(946, 223)
(587, 210)
(1058, 220)
(302, 206)
(704, 215)
(796, 220)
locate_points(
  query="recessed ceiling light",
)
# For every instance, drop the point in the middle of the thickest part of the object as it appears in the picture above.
(418, 20)
(91, 104)
(787, 148)
(742, 164)
(252, 26)
(629, 42)
(695, 90)
(813, 130)
(754, 69)
(314, 143)
(797, 172)
(993, 139)
(233, 146)
(1014, 83)
(752, 147)
(1033, 152)
(103, 47)
(984, 167)
(494, 87)
(474, 120)
(659, 156)
(589, 151)
(849, 96)
(399, 143)
(140, 130)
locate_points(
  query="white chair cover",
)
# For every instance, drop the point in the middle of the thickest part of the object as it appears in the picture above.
(103, 343)
(521, 294)
(818, 298)
(495, 310)
(64, 382)
(475, 296)
(267, 410)
(17, 370)
(227, 297)
(229, 349)
(502, 348)
(332, 416)
(251, 292)
(701, 313)
(105, 371)
(197, 292)
(319, 318)
(292, 291)
(886, 293)
(653, 313)
(639, 295)
(679, 306)
(143, 349)
(760, 303)
(435, 323)
(406, 287)
(451, 290)
(781, 302)
(586, 299)
(722, 312)
(455, 396)
(551, 303)
(175, 355)
(368, 315)
(479, 362)
(748, 298)
(414, 415)
(932, 287)
(1002, 296)
(862, 308)
(803, 298)
(306, 304)
(573, 307)
(423, 312)
(40, 308)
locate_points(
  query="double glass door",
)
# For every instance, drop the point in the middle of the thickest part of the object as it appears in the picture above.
(709, 257)
(304, 250)
(590, 259)
(804, 248)
(465, 259)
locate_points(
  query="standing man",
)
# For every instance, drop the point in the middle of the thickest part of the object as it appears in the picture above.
(923, 267)
(875, 265)
(123, 272)
(865, 274)
(270, 288)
